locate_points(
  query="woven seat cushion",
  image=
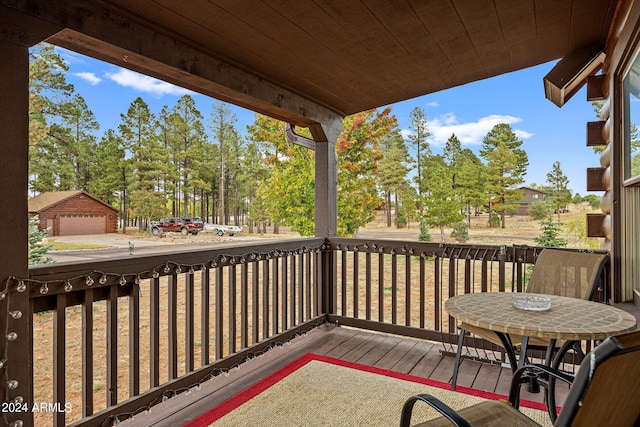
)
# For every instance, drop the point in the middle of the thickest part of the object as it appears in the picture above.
(492, 413)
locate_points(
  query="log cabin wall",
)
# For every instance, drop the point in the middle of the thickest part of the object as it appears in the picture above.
(619, 223)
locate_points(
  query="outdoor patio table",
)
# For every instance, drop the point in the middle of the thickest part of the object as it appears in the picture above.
(570, 319)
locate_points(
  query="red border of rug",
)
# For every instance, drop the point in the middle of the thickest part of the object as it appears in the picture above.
(247, 394)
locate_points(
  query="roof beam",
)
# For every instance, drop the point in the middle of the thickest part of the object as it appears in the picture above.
(128, 41)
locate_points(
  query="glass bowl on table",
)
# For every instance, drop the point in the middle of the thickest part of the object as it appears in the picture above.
(531, 302)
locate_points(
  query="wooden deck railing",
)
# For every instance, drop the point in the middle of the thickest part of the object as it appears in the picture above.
(113, 338)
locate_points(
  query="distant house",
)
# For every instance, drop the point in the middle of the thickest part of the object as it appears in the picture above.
(529, 196)
(68, 213)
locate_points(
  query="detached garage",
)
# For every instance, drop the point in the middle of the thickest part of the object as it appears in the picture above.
(68, 213)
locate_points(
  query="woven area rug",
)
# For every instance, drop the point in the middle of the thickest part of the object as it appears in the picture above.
(322, 391)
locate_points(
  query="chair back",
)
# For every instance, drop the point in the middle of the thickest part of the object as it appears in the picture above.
(566, 273)
(606, 389)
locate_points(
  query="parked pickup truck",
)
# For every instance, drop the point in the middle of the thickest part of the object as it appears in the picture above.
(178, 225)
(221, 230)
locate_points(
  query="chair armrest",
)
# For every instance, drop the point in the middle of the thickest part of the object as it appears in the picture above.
(450, 414)
(514, 391)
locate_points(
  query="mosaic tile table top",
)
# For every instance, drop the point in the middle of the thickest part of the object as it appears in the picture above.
(568, 318)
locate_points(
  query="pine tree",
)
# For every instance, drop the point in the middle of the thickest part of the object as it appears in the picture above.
(143, 187)
(223, 125)
(187, 138)
(441, 205)
(470, 182)
(559, 194)
(48, 89)
(393, 170)
(506, 166)
(418, 140)
(74, 143)
(110, 171)
(550, 235)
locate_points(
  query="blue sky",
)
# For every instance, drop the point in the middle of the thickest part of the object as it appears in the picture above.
(549, 133)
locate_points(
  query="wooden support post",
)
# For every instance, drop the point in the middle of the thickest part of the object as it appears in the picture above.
(326, 204)
(326, 199)
(16, 352)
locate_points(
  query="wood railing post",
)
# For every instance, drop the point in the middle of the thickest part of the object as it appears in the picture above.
(502, 257)
(328, 280)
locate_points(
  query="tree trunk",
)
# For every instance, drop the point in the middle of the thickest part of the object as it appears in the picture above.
(395, 197)
(124, 212)
(388, 209)
(222, 186)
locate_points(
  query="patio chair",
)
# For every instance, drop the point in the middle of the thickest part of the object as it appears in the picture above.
(556, 272)
(604, 392)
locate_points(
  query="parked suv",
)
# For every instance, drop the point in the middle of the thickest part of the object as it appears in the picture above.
(182, 225)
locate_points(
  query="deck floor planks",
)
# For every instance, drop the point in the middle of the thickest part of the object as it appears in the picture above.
(372, 357)
(468, 373)
(416, 357)
(398, 358)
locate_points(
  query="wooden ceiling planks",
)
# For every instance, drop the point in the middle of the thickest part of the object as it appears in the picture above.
(518, 23)
(553, 28)
(360, 54)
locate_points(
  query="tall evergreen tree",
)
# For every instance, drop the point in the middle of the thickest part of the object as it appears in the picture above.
(419, 140)
(470, 181)
(393, 169)
(506, 166)
(440, 201)
(187, 139)
(110, 171)
(147, 200)
(165, 129)
(560, 195)
(253, 171)
(75, 142)
(48, 89)
(223, 125)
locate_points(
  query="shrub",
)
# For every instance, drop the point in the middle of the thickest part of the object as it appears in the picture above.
(550, 235)
(424, 236)
(539, 211)
(400, 220)
(494, 219)
(460, 232)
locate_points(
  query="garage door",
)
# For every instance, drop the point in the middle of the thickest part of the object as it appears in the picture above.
(86, 224)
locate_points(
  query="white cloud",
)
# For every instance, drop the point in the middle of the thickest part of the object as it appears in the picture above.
(406, 132)
(470, 133)
(433, 104)
(89, 77)
(142, 83)
(522, 134)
